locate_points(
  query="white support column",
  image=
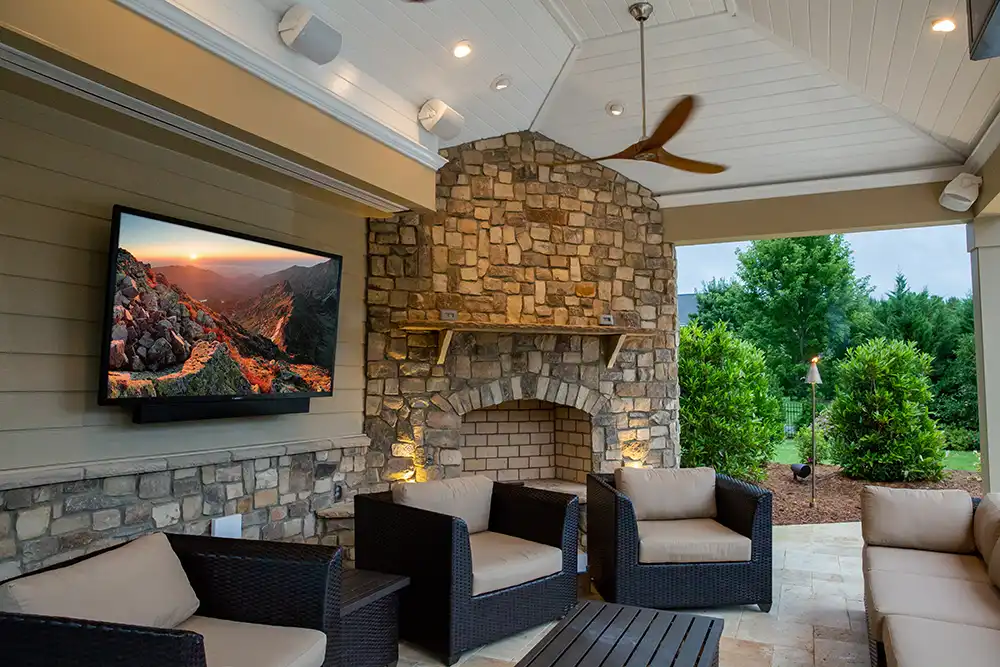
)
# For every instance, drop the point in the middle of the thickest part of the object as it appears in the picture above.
(984, 247)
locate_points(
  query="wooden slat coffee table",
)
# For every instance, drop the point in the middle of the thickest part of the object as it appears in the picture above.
(600, 634)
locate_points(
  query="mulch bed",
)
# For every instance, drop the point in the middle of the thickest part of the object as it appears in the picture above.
(838, 498)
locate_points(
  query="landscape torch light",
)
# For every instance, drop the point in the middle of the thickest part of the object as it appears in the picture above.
(813, 379)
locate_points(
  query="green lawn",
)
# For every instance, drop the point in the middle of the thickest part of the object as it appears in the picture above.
(786, 453)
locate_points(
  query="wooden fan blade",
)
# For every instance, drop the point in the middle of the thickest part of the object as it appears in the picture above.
(671, 123)
(626, 154)
(687, 164)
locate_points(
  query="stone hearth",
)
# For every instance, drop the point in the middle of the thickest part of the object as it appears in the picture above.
(516, 241)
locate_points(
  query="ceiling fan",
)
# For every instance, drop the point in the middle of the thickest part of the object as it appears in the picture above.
(650, 147)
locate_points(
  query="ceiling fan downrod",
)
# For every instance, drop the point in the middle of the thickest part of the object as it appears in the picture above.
(641, 11)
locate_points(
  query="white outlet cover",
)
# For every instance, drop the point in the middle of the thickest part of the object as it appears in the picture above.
(228, 526)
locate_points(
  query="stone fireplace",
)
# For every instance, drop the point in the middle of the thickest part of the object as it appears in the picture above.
(525, 384)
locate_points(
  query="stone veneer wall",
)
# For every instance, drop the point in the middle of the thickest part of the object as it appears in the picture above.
(516, 240)
(278, 490)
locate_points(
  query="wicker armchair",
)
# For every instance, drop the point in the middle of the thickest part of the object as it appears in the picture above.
(439, 610)
(268, 583)
(613, 552)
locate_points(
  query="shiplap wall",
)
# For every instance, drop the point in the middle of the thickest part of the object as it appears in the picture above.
(59, 178)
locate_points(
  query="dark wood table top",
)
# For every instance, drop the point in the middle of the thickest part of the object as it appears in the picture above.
(359, 588)
(597, 634)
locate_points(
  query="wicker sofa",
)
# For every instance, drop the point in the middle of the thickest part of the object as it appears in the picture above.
(177, 601)
(672, 539)
(485, 560)
(932, 568)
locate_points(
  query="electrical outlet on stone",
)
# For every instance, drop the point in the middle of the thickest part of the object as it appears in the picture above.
(607, 320)
(449, 315)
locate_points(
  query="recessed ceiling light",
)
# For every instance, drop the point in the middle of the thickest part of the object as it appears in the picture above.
(943, 25)
(462, 49)
(615, 108)
(501, 82)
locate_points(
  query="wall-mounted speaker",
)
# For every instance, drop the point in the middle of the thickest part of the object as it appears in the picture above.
(305, 33)
(440, 119)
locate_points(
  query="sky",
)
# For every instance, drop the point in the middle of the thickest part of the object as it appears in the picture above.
(165, 244)
(931, 257)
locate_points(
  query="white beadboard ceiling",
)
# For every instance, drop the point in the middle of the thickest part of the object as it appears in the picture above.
(791, 90)
(592, 19)
(407, 47)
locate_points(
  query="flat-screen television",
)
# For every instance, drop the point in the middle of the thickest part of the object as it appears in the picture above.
(196, 314)
(984, 29)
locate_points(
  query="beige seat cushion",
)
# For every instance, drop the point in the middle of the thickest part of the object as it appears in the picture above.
(467, 498)
(501, 561)
(691, 541)
(931, 563)
(141, 583)
(939, 599)
(232, 644)
(663, 494)
(919, 642)
(986, 525)
(917, 519)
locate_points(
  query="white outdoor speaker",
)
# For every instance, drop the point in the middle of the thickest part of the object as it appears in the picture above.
(307, 34)
(440, 119)
(961, 193)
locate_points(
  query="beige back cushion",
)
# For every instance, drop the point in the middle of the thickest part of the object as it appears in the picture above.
(993, 565)
(986, 525)
(141, 583)
(467, 498)
(663, 494)
(917, 519)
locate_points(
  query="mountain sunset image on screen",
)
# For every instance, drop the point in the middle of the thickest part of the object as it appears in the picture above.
(202, 314)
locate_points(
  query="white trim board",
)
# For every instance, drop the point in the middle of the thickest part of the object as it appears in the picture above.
(366, 113)
(810, 187)
(47, 73)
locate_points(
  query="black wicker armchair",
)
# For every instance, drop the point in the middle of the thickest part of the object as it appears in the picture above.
(438, 610)
(613, 552)
(269, 583)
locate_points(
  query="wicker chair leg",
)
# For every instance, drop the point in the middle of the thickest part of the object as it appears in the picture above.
(764, 607)
(452, 659)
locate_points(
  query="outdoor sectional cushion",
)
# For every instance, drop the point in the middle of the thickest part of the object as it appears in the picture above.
(662, 494)
(935, 598)
(928, 563)
(467, 498)
(141, 583)
(986, 525)
(919, 642)
(233, 644)
(690, 541)
(917, 519)
(501, 561)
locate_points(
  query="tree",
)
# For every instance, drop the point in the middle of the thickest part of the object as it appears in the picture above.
(798, 298)
(956, 399)
(721, 300)
(729, 419)
(880, 422)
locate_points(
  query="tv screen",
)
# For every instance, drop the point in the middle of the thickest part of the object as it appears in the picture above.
(195, 313)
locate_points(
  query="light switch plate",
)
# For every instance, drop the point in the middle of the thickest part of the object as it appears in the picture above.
(449, 315)
(607, 320)
(228, 526)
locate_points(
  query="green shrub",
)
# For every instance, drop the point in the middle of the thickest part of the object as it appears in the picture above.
(880, 424)
(803, 439)
(729, 419)
(960, 439)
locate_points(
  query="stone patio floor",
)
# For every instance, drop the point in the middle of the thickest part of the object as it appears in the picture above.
(817, 618)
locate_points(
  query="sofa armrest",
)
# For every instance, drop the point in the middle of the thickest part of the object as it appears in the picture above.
(46, 641)
(271, 583)
(537, 515)
(743, 507)
(431, 549)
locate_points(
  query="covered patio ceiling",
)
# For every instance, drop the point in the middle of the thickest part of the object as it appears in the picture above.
(798, 95)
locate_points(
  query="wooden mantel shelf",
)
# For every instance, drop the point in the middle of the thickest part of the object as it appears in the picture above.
(613, 338)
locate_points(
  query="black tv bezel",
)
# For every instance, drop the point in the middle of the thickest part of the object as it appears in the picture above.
(109, 297)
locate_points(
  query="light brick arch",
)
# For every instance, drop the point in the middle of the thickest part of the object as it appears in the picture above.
(526, 386)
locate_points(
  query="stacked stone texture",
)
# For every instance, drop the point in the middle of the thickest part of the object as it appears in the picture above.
(278, 497)
(517, 240)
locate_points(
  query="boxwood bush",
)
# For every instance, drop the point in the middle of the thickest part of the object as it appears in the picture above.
(880, 424)
(729, 419)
